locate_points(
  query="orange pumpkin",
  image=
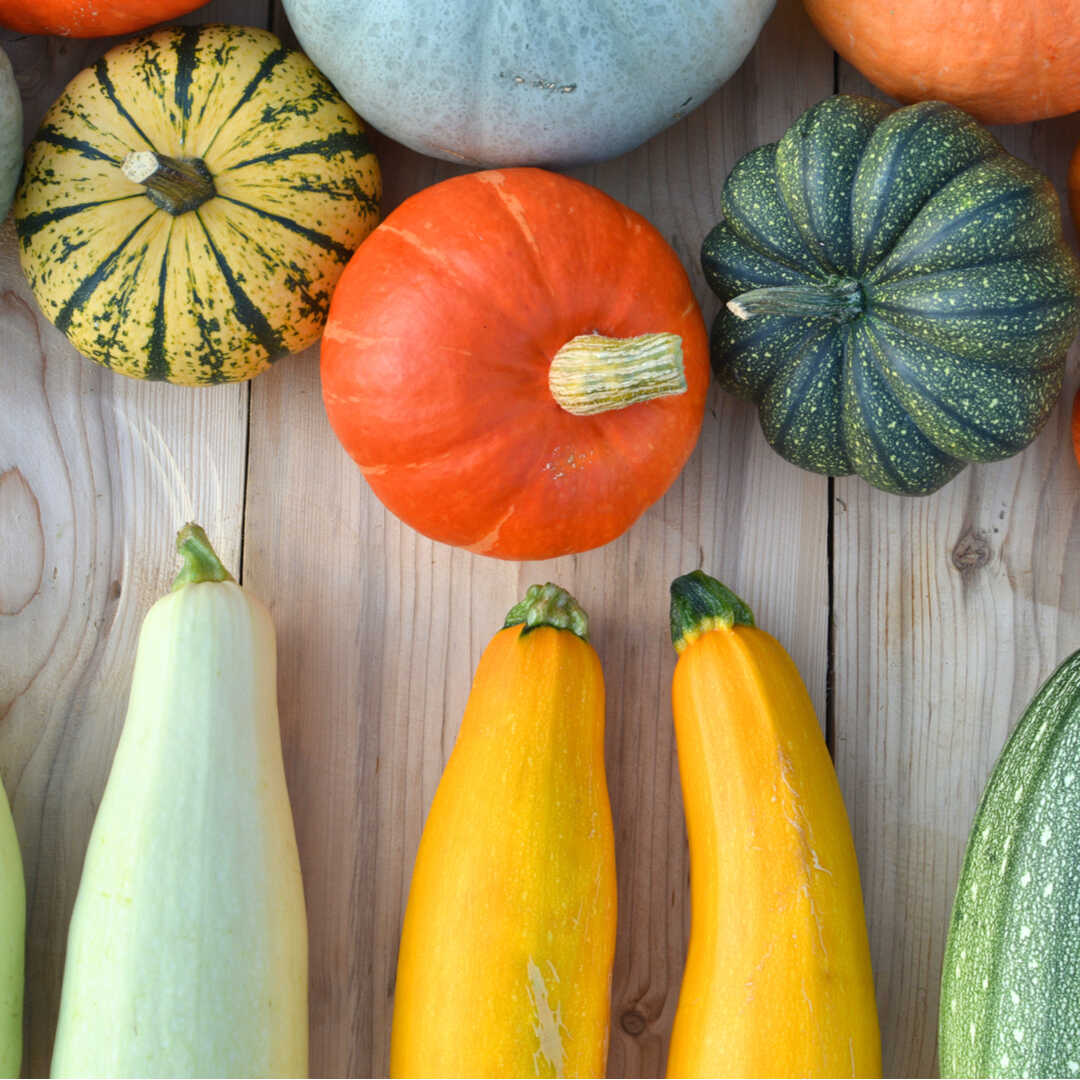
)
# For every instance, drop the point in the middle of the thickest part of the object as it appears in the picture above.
(1005, 62)
(517, 362)
(76, 18)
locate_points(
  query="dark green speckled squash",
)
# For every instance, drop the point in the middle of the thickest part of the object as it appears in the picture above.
(899, 295)
(190, 202)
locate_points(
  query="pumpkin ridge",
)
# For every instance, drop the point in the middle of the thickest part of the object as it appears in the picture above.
(812, 370)
(754, 241)
(92, 281)
(885, 458)
(882, 349)
(30, 224)
(746, 229)
(157, 362)
(958, 221)
(885, 312)
(1035, 376)
(823, 218)
(50, 135)
(768, 328)
(871, 272)
(121, 300)
(521, 222)
(1049, 249)
(269, 62)
(326, 147)
(931, 110)
(101, 71)
(447, 266)
(1030, 308)
(327, 243)
(246, 311)
(184, 45)
(991, 358)
(811, 236)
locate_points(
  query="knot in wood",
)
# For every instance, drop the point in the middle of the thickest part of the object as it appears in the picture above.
(633, 1023)
(972, 551)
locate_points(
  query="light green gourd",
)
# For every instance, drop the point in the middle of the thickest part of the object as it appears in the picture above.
(187, 953)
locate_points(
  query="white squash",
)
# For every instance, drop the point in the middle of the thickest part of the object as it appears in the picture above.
(12, 943)
(187, 953)
(11, 128)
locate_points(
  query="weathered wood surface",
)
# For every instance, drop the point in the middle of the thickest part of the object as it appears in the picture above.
(95, 472)
(947, 611)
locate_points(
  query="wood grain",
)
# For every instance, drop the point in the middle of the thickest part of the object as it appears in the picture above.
(97, 473)
(380, 629)
(950, 611)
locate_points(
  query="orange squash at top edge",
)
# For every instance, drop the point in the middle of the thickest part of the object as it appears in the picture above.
(77, 18)
(777, 979)
(439, 347)
(1004, 62)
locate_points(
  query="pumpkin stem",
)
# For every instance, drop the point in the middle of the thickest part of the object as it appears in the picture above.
(836, 298)
(548, 605)
(592, 373)
(200, 560)
(700, 603)
(175, 184)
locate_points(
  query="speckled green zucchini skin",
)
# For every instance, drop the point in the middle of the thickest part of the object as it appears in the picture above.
(1010, 985)
(927, 294)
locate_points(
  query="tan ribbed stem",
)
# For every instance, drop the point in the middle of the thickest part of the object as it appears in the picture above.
(592, 373)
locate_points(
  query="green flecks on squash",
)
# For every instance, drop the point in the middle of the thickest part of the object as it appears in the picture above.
(815, 165)
(969, 296)
(1011, 975)
(219, 292)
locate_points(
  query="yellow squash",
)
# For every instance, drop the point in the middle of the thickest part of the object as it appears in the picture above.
(777, 979)
(187, 952)
(509, 935)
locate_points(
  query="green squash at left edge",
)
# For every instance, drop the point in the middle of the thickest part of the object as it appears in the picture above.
(12, 942)
(900, 297)
(11, 128)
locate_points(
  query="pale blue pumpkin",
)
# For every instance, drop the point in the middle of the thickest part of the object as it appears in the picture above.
(526, 82)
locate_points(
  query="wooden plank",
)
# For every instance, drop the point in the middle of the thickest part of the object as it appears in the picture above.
(949, 612)
(380, 629)
(97, 472)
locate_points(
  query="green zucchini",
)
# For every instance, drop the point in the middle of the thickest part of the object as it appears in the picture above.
(1010, 986)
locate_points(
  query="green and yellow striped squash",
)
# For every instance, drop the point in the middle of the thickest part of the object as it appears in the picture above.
(190, 201)
(1010, 984)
